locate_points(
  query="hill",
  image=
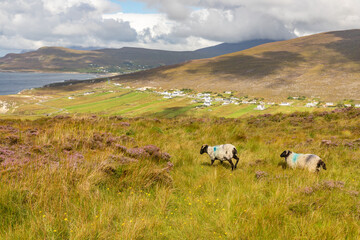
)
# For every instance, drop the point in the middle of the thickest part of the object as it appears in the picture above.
(121, 60)
(325, 65)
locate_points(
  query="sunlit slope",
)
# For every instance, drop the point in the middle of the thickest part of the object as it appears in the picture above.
(325, 65)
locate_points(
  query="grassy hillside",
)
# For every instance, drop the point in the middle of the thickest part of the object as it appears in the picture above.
(91, 177)
(106, 98)
(121, 60)
(325, 65)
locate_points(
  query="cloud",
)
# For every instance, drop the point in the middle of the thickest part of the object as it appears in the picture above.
(178, 25)
(238, 20)
(32, 24)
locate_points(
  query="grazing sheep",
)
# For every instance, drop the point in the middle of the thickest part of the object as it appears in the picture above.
(223, 152)
(309, 161)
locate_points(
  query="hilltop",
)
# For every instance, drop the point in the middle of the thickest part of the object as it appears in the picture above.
(123, 60)
(325, 65)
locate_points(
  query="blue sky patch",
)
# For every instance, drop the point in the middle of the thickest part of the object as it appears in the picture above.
(134, 7)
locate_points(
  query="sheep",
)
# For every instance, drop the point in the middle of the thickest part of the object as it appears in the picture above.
(309, 161)
(223, 152)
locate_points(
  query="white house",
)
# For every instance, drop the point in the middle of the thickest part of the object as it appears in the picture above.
(208, 104)
(357, 105)
(260, 107)
(347, 105)
(228, 92)
(329, 104)
(285, 104)
(310, 105)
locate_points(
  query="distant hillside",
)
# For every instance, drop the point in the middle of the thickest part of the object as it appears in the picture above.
(121, 60)
(325, 65)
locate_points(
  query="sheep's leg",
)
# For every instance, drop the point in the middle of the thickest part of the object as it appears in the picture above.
(232, 165)
(212, 162)
(237, 160)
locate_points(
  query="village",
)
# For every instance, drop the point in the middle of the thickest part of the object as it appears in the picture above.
(208, 99)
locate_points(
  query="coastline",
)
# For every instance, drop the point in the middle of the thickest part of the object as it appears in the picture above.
(13, 82)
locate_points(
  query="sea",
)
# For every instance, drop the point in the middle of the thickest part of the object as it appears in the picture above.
(14, 82)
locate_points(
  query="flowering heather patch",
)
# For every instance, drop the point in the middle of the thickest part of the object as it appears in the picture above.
(32, 132)
(165, 156)
(324, 185)
(329, 143)
(61, 117)
(260, 174)
(151, 149)
(169, 167)
(124, 124)
(137, 153)
(307, 190)
(121, 148)
(5, 153)
(119, 118)
(8, 129)
(12, 139)
(67, 147)
(74, 160)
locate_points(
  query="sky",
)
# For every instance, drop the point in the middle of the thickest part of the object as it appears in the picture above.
(166, 24)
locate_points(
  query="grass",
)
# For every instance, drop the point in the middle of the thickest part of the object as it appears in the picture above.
(67, 178)
(107, 99)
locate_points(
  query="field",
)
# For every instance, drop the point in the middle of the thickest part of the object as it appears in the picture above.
(88, 176)
(106, 99)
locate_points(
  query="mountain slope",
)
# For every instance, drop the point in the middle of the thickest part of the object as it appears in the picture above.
(325, 65)
(110, 60)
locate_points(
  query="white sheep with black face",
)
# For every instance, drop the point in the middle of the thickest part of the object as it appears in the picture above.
(223, 152)
(305, 161)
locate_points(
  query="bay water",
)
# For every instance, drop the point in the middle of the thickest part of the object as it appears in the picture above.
(14, 82)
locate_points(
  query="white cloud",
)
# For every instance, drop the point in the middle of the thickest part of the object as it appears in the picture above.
(30, 24)
(237, 20)
(179, 25)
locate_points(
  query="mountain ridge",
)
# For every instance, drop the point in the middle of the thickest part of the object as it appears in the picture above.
(123, 60)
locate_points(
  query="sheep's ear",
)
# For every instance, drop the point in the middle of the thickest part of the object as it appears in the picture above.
(203, 148)
(283, 154)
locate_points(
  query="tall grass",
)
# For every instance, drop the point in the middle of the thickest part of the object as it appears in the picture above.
(69, 178)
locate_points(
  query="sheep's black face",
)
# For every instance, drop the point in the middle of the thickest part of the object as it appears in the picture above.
(285, 153)
(203, 149)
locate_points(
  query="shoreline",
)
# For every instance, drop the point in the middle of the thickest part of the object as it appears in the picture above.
(65, 80)
(99, 74)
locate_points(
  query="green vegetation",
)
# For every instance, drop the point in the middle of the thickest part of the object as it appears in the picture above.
(86, 177)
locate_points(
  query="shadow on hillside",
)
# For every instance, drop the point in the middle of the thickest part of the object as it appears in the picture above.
(254, 66)
(170, 112)
(349, 46)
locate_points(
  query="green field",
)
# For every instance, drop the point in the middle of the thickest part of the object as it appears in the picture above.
(107, 99)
